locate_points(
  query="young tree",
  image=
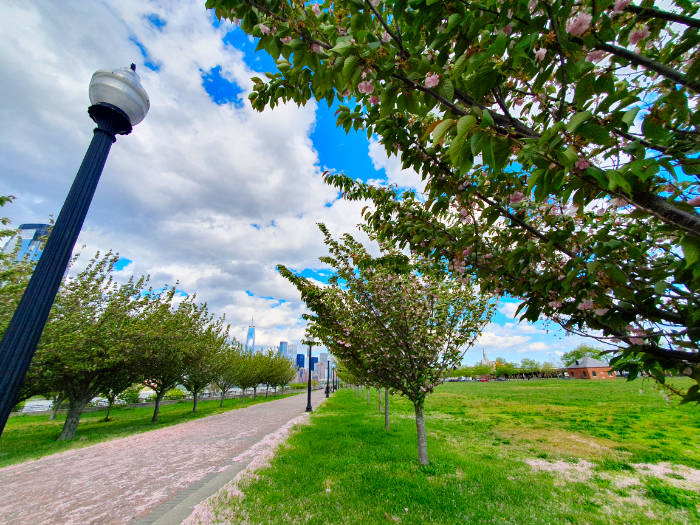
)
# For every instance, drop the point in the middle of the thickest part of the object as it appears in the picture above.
(226, 365)
(200, 355)
(394, 323)
(557, 142)
(115, 384)
(165, 334)
(248, 373)
(87, 339)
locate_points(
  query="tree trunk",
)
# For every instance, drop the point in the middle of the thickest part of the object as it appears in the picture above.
(386, 409)
(57, 401)
(420, 430)
(368, 392)
(379, 400)
(159, 398)
(243, 394)
(110, 402)
(255, 393)
(221, 403)
(75, 409)
(267, 388)
(194, 401)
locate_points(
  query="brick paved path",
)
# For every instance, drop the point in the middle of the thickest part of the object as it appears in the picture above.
(126, 478)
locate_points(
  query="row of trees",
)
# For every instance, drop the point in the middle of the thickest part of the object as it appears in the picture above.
(392, 322)
(502, 368)
(103, 336)
(557, 142)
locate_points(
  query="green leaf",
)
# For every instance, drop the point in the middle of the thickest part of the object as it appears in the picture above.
(465, 123)
(486, 119)
(578, 119)
(445, 89)
(628, 117)
(691, 250)
(350, 65)
(441, 129)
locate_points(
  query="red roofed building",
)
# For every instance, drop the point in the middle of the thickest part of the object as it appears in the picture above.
(589, 368)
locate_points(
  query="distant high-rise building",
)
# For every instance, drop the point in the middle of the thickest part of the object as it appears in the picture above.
(300, 360)
(284, 348)
(314, 361)
(250, 340)
(323, 358)
(30, 239)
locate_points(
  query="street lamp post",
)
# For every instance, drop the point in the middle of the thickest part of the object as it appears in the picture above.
(328, 378)
(118, 102)
(308, 393)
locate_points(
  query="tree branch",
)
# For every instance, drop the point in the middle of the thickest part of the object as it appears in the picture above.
(645, 13)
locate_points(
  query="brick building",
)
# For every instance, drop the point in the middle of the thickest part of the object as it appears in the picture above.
(589, 368)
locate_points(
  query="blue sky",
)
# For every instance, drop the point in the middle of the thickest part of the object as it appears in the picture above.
(206, 192)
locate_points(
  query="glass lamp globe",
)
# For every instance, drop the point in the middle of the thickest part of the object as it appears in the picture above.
(120, 88)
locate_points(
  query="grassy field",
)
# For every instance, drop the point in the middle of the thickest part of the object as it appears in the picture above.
(27, 436)
(548, 451)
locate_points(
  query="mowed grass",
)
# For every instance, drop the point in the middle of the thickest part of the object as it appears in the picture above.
(548, 451)
(32, 436)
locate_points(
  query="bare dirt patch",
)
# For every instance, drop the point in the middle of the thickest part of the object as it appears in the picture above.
(678, 475)
(580, 471)
(562, 442)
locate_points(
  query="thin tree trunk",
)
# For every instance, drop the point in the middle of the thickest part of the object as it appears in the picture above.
(267, 388)
(221, 403)
(420, 430)
(159, 398)
(379, 400)
(194, 401)
(57, 402)
(255, 393)
(243, 394)
(75, 409)
(368, 393)
(110, 402)
(386, 409)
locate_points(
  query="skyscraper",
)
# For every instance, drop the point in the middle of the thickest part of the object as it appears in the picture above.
(250, 340)
(284, 348)
(30, 239)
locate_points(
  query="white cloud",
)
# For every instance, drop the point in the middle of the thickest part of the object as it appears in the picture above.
(538, 346)
(211, 196)
(509, 309)
(395, 174)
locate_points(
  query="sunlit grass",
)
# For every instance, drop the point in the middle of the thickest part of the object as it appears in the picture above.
(344, 468)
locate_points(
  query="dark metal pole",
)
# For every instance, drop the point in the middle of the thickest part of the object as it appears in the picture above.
(328, 378)
(308, 397)
(22, 335)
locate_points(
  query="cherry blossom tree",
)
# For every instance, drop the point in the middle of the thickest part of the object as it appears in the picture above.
(557, 140)
(86, 342)
(392, 322)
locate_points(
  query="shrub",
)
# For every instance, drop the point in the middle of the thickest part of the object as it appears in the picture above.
(175, 393)
(130, 396)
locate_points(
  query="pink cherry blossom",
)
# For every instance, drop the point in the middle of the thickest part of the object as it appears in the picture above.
(373, 100)
(316, 9)
(578, 25)
(694, 201)
(467, 251)
(571, 210)
(555, 304)
(586, 304)
(636, 341)
(365, 87)
(620, 5)
(431, 80)
(516, 197)
(638, 35)
(316, 48)
(582, 164)
(617, 202)
(342, 31)
(531, 5)
(600, 311)
(264, 29)
(540, 53)
(596, 56)
(286, 40)
(386, 37)
(508, 29)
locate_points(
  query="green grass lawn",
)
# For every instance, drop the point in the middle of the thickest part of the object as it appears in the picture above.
(549, 451)
(32, 436)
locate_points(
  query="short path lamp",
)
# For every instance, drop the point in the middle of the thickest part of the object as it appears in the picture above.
(118, 103)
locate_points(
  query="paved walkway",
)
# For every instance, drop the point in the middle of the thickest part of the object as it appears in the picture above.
(143, 476)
